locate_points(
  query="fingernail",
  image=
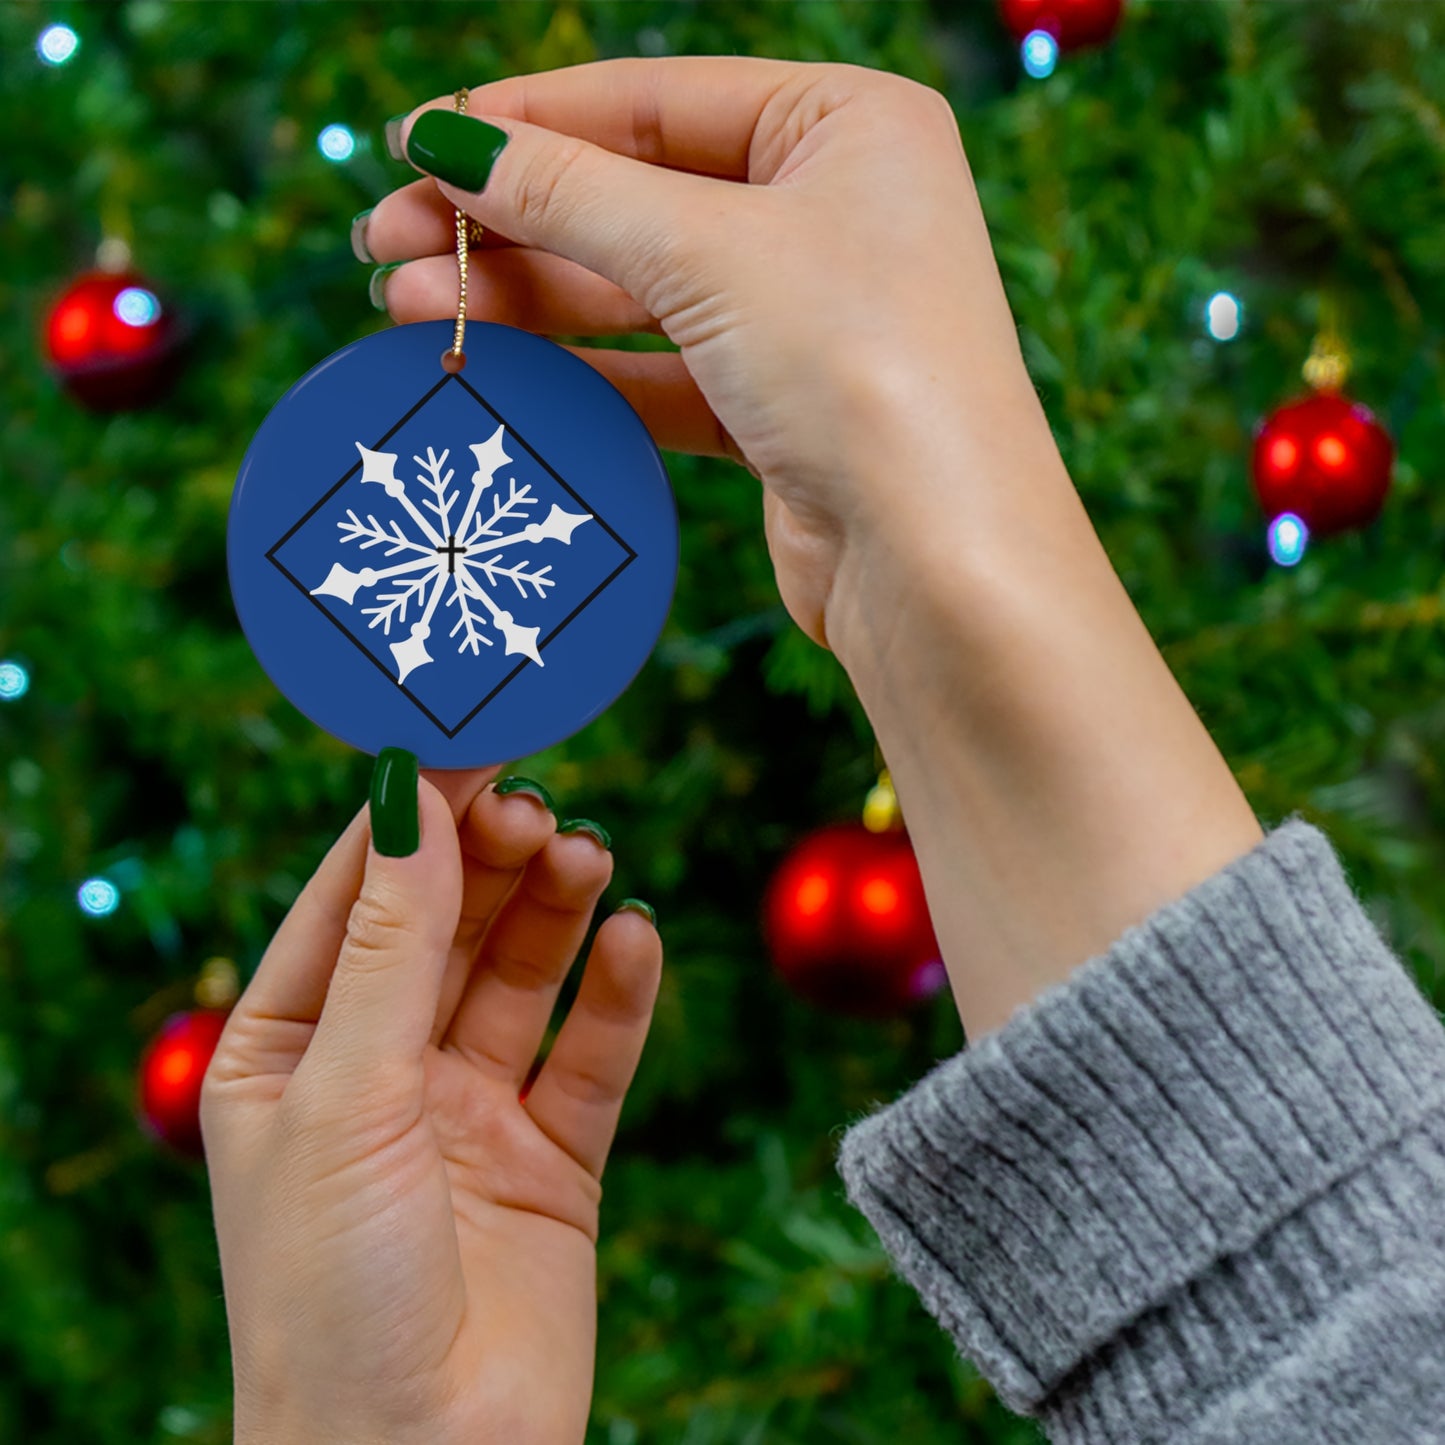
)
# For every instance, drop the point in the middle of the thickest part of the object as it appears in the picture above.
(395, 821)
(526, 785)
(376, 287)
(586, 825)
(636, 905)
(359, 248)
(455, 148)
(393, 137)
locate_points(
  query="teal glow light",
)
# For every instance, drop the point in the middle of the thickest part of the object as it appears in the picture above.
(1223, 316)
(57, 44)
(14, 681)
(98, 897)
(336, 143)
(1040, 52)
(1288, 538)
(137, 307)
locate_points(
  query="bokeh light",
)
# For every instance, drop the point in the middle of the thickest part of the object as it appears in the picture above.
(1040, 52)
(1288, 537)
(879, 897)
(336, 143)
(813, 894)
(57, 44)
(98, 897)
(137, 307)
(14, 681)
(1223, 316)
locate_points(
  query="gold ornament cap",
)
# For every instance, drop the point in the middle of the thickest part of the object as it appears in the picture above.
(219, 985)
(1328, 365)
(881, 813)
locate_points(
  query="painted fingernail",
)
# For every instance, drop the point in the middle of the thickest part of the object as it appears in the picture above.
(359, 248)
(395, 824)
(586, 825)
(636, 905)
(525, 785)
(455, 148)
(376, 287)
(393, 137)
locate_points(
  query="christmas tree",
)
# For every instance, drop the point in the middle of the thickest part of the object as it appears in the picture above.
(161, 803)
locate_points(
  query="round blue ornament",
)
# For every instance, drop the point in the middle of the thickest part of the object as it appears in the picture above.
(470, 565)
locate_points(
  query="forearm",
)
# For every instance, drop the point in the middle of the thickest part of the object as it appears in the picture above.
(1056, 782)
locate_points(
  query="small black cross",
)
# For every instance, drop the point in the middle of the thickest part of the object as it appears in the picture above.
(453, 552)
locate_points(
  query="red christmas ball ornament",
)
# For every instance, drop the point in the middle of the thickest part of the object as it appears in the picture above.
(1073, 23)
(1326, 459)
(112, 341)
(847, 924)
(171, 1071)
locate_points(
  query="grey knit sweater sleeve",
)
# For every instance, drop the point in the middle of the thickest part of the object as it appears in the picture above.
(1197, 1191)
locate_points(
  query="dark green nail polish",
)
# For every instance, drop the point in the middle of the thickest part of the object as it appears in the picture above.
(526, 785)
(376, 287)
(395, 824)
(359, 248)
(636, 905)
(586, 825)
(393, 136)
(455, 148)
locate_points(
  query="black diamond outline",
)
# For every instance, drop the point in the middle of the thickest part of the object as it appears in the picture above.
(356, 642)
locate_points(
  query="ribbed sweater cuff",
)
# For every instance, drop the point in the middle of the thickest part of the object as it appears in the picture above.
(1143, 1164)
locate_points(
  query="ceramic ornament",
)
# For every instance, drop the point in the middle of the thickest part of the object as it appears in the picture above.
(470, 564)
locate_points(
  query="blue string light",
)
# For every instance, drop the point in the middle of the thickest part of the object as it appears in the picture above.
(57, 44)
(98, 897)
(137, 307)
(1040, 53)
(336, 143)
(14, 681)
(1223, 316)
(1288, 538)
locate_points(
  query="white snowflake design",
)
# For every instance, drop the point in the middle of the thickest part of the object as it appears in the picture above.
(460, 564)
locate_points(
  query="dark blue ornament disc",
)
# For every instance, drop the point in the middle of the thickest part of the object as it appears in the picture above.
(471, 567)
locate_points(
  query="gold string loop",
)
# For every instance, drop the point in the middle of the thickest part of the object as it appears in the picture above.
(468, 230)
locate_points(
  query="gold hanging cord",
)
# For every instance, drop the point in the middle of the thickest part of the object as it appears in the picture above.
(1328, 366)
(468, 231)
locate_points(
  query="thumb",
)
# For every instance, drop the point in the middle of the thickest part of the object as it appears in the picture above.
(382, 999)
(628, 221)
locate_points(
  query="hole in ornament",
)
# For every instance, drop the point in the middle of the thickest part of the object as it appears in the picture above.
(453, 361)
(1331, 451)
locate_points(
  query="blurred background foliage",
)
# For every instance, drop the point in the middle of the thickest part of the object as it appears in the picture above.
(1290, 153)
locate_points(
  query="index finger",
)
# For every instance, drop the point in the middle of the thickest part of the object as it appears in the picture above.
(695, 113)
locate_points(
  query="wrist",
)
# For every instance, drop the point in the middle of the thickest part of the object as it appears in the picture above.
(949, 520)
(1056, 782)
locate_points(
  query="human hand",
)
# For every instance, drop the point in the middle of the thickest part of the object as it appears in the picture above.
(841, 322)
(810, 237)
(408, 1246)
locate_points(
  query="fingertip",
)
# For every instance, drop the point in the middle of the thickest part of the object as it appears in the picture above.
(629, 940)
(460, 787)
(506, 830)
(637, 906)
